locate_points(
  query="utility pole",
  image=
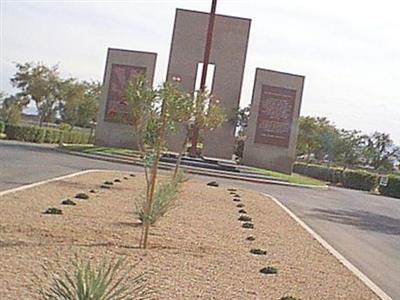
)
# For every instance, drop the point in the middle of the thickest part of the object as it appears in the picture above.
(206, 60)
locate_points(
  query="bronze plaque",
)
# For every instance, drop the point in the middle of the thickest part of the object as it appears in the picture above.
(116, 106)
(275, 115)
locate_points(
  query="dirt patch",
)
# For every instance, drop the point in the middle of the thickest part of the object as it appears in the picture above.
(199, 250)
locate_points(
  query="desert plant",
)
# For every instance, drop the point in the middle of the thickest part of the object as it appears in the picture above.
(109, 280)
(82, 196)
(269, 270)
(258, 252)
(244, 218)
(164, 200)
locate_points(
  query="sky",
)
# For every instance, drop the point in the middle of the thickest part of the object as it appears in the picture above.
(349, 50)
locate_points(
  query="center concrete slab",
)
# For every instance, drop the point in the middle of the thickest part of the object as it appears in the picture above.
(228, 54)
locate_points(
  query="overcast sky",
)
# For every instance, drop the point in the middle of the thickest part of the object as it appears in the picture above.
(349, 50)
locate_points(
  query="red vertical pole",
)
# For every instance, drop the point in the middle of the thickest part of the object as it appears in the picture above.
(206, 60)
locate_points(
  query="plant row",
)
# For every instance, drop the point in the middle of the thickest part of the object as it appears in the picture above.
(36, 134)
(353, 179)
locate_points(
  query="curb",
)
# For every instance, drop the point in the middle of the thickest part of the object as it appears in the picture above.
(368, 282)
(196, 172)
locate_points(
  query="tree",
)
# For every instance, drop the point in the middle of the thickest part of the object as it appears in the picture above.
(79, 102)
(380, 151)
(350, 147)
(40, 84)
(201, 110)
(11, 108)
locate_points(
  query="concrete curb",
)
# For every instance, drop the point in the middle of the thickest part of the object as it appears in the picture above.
(31, 185)
(196, 172)
(368, 282)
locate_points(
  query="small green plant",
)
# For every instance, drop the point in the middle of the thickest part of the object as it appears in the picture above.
(248, 225)
(240, 205)
(117, 180)
(82, 196)
(236, 200)
(242, 211)
(231, 190)
(250, 238)
(108, 182)
(244, 218)
(289, 298)
(164, 200)
(68, 202)
(109, 280)
(104, 186)
(269, 270)
(53, 211)
(213, 184)
(258, 252)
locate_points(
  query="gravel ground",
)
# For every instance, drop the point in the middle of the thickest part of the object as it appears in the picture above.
(197, 251)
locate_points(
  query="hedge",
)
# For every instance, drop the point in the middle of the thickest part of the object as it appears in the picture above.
(393, 187)
(359, 180)
(37, 134)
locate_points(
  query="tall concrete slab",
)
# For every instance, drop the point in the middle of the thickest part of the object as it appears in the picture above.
(273, 122)
(121, 65)
(228, 54)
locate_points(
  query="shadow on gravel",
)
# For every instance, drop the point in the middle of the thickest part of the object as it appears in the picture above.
(362, 219)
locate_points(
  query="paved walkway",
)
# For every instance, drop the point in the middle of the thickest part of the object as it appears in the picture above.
(363, 227)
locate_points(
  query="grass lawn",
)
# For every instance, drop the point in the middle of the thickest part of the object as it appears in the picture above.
(294, 178)
(101, 150)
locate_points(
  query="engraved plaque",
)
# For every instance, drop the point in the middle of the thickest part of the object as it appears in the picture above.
(116, 107)
(275, 115)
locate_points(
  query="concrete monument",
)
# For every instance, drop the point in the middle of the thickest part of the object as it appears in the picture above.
(273, 123)
(121, 66)
(228, 56)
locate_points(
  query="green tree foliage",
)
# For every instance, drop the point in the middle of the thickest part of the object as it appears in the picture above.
(79, 102)
(11, 108)
(380, 151)
(40, 84)
(322, 141)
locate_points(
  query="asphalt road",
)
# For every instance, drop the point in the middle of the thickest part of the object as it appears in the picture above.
(362, 227)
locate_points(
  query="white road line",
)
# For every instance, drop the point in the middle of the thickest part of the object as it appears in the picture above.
(31, 185)
(368, 282)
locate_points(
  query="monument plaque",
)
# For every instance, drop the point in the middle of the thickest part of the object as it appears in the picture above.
(120, 76)
(275, 115)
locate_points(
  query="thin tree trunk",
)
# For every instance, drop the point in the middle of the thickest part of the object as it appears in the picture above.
(154, 178)
(179, 160)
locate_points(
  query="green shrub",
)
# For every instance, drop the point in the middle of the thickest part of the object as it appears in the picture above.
(393, 187)
(35, 134)
(359, 180)
(2, 125)
(111, 280)
(164, 201)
